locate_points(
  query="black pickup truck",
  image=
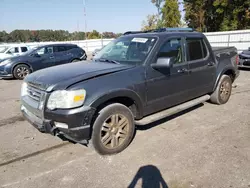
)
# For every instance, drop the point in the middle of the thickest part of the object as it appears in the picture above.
(136, 79)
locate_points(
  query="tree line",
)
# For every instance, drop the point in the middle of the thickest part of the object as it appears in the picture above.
(51, 35)
(202, 15)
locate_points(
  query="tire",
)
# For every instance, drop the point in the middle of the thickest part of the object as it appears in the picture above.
(113, 129)
(223, 91)
(75, 60)
(21, 71)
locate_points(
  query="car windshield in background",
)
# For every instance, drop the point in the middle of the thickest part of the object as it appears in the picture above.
(127, 49)
(3, 49)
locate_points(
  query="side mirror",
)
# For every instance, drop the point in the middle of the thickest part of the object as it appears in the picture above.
(164, 63)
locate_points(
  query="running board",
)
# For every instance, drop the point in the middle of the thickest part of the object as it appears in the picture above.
(170, 111)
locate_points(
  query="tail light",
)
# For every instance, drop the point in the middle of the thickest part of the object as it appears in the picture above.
(237, 59)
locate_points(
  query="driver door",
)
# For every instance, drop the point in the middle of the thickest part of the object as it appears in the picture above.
(169, 86)
(43, 58)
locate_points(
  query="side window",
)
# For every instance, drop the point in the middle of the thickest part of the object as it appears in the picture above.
(70, 47)
(172, 48)
(196, 49)
(13, 50)
(24, 49)
(61, 49)
(45, 50)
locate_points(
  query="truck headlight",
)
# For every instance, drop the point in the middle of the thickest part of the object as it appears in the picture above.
(66, 99)
(24, 89)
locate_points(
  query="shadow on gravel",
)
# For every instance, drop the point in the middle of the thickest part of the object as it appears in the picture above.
(150, 177)
(244, 69)
(34, 154)
(238, 92)
(11, 120)
(151, 125)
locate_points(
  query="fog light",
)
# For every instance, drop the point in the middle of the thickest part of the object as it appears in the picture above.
(61, 125)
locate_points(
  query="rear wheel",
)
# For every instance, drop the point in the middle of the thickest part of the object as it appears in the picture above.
(113, 129)
(21, 71)
(223, 91)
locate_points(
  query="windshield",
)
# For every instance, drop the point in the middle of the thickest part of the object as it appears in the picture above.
(3, 49)
(127, 49)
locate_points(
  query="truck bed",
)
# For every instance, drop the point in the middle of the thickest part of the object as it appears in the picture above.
(220, 50)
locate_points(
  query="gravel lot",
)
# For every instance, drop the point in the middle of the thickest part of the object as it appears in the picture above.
(209, 146)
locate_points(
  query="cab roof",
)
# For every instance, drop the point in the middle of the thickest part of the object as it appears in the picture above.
(162, 32)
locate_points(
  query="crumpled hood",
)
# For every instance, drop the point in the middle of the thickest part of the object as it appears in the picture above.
(62, 76)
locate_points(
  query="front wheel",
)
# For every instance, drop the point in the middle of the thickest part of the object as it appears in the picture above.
(21, 71)
(223, 91)
(113, 129)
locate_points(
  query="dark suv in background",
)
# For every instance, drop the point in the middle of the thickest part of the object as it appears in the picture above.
(40, 58)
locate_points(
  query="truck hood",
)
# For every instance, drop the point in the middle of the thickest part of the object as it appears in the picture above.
(62, 76)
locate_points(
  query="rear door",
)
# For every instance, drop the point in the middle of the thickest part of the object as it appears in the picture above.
(202, 67)
(62, 55)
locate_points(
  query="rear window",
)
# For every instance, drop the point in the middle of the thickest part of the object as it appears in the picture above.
(70, 47)
(60, 48)
(196, 49)
(24, 49)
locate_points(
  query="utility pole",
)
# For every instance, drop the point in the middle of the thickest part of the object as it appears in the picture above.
(85, 20)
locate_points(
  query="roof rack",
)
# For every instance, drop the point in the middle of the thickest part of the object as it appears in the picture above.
(172, 29)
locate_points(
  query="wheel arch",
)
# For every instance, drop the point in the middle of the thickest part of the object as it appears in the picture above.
(126, 97)
(228, 71)
(21, 64)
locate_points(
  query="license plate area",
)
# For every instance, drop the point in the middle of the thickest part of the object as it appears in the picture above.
(31, 116)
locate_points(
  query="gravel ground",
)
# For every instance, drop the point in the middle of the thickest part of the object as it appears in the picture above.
(208, 146)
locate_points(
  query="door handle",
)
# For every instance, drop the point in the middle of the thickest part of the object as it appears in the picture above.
(184, 70)
(51, 57)
(210, 64)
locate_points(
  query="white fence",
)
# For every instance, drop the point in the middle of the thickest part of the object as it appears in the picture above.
(240, 39)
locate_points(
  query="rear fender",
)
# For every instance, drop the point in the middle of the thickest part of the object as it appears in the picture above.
(222, 73)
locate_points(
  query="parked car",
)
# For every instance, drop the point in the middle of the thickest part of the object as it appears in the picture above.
(40, 58)
(162, 73)
(245, 58)
(96, 51)
(12, 50)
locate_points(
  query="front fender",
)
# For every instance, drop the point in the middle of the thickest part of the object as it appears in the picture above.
(120, 93)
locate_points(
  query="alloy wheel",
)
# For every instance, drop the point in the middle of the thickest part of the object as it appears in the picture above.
(114, 131)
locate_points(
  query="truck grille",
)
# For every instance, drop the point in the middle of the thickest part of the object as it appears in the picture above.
(34, 93)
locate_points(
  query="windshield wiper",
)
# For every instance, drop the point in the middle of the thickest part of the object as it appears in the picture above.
(107, 60)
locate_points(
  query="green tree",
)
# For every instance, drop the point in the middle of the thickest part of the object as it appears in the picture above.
(3, 36)
(195, 13)
(158, 4)
(217, 15)
(171, 16)
(93, 35)
(150, 23)
(108, 35)
(233, 14)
